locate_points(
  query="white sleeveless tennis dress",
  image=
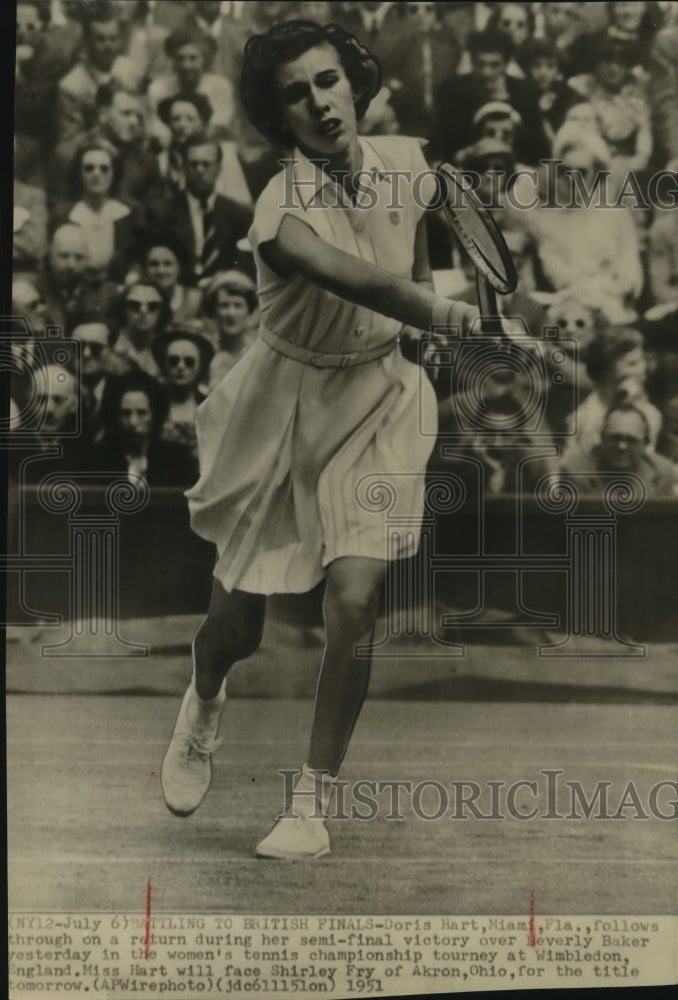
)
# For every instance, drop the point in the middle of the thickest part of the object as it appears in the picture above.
(323, 399)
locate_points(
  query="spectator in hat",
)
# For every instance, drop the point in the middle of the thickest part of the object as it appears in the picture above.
(624, 447)
(192, 52)
(165, 264)
(183, 354)
(187, 117)
(497, 120)
(619, 101)
(493, 161)
(142, 314)
(230, 303)
(134, 409)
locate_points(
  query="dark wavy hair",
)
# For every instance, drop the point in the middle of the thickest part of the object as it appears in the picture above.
(489, 40)
(132, 381)
(285, 42)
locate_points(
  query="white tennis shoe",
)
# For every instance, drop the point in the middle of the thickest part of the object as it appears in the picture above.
(300, 832)
(187, 768)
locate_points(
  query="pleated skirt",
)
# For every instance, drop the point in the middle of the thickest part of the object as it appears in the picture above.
(301, 465)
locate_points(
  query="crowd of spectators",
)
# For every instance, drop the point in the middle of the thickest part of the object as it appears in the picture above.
(136, 173)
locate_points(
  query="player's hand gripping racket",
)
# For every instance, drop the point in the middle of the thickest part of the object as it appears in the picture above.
(483, 241)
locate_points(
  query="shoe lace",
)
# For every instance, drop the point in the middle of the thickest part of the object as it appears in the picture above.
(201, 746)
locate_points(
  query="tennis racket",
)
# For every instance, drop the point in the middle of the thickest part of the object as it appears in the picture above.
(482, 240)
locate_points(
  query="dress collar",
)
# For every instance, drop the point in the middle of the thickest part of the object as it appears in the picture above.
(308, 172)
(111, 211)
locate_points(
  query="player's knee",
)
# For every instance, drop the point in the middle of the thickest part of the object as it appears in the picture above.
(226, 642)
(351, 610)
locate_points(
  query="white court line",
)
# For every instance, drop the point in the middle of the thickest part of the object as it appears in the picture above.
(525, 743)
(236, 859)
(411, 766)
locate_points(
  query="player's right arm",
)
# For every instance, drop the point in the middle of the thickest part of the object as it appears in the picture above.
(296, 249)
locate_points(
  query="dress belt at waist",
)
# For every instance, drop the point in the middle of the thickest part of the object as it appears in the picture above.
(322, 360)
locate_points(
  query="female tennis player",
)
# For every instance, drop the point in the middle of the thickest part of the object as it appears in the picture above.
(323, 398)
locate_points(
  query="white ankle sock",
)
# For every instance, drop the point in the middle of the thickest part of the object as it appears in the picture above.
(204, 713)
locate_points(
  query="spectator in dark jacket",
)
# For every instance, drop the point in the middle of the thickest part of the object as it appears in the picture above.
(134, 409)
(206, 225)
(458, 98)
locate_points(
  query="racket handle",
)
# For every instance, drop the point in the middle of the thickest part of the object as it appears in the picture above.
(490, 320)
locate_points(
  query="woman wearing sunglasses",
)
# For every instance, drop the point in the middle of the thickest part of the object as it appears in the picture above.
(322, 401)
(183, 354)
(111, 227)
(143, 313)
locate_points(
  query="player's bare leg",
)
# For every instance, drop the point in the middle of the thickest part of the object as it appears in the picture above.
(230, 632)
(352, 596)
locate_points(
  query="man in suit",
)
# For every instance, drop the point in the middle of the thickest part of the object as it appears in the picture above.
(205, 225)
(98, 366)
(418, 61)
